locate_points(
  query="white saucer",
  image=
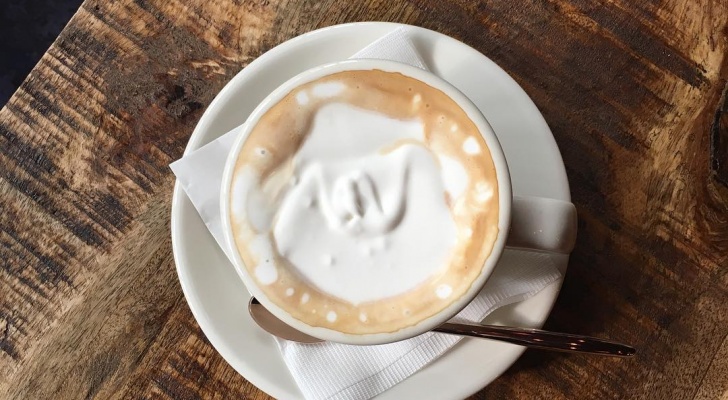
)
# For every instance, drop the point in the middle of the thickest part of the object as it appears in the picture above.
(218, 298)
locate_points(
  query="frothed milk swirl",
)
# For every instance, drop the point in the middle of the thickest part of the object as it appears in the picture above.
(364, 202)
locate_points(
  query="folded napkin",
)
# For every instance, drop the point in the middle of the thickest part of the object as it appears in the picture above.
(337, 371)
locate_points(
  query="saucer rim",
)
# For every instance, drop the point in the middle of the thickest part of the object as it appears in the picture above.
(197, 139)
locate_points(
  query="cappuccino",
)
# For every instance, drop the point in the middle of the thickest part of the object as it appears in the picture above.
(364, 202)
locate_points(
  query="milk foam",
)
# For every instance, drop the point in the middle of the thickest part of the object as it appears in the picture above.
(364, 198)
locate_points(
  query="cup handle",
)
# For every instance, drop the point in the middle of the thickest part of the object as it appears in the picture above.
(539, 223)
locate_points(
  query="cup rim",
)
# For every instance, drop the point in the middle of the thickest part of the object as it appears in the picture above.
(502, 176)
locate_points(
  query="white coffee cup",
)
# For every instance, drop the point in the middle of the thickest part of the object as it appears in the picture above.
(539, 224)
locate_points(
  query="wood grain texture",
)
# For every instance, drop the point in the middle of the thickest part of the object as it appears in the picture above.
(635, 93)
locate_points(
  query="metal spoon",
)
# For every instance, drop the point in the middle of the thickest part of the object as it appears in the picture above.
(533, 338)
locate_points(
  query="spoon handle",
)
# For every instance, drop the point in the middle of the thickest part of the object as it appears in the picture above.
(539, 339)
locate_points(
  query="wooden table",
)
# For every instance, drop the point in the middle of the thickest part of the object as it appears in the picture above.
(635, 92)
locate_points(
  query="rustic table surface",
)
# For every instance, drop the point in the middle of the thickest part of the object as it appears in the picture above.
(635, 92)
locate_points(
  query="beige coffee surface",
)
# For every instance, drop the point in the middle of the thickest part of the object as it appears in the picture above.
(282, 130)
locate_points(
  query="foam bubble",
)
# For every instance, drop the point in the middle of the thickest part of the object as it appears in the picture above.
(261, 247)
(302, 98)
(454, 176)
(305, 298)
(471, 146)
(331, 316)
(266, 273)
(362, 317)
(244, 181)
(443, 291)
(290, 291)
(329, 89)
(483, 192)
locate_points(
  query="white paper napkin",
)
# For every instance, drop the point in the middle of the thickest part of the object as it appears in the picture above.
(337, 371)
